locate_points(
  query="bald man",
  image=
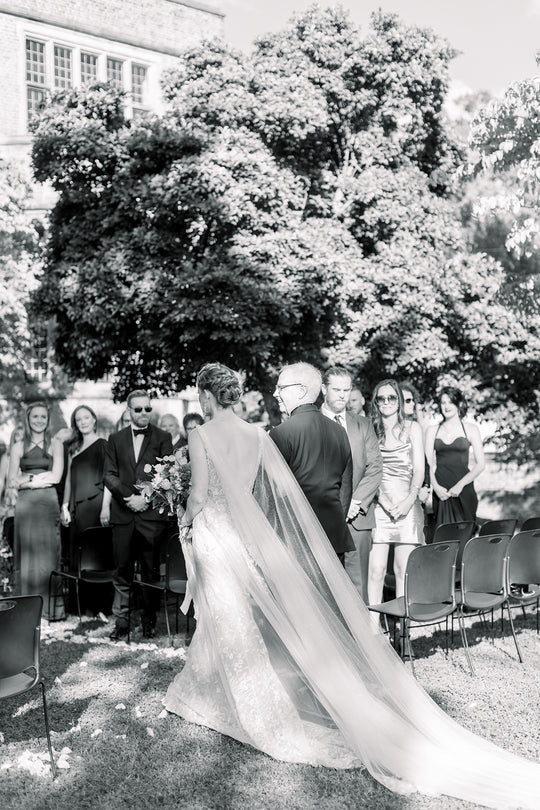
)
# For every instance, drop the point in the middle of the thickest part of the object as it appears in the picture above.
(317, 451)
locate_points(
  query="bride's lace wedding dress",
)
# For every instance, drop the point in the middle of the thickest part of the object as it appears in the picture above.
(284, 657)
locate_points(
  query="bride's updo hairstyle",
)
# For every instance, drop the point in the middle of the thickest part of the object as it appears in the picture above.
(222, 382)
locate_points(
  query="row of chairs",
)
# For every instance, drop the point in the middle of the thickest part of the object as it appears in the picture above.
(469, 574)
(95, 565)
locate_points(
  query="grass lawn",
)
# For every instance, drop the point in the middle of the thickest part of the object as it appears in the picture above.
(117, 748)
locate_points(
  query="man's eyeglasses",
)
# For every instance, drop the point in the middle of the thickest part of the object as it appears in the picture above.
(289, 385)
(384, 400)
(146, 409)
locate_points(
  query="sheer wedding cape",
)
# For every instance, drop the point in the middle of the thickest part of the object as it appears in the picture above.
(285, 659)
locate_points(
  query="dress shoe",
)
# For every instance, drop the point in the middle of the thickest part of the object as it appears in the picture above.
(118, 633)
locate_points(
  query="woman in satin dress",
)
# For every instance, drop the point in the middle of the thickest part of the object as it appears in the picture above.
(285, 657)
(398, 514)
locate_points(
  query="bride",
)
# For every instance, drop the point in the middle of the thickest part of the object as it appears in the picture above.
(284, 657)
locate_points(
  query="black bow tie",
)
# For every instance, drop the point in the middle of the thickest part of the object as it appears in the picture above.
(141, 432)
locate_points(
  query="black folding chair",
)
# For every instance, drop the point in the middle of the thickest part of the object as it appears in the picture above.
(429, 591)
(524, 571)
(20, 618)
(173, 582)
(95, 563)
(505, 526)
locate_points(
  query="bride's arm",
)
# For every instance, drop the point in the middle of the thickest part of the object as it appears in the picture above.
(199, 479)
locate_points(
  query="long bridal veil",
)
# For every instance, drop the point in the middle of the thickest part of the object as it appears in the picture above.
(340, 676)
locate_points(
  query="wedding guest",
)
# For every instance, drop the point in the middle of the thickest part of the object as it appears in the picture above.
(398, 516)
(4, 463)
(137, 528)
(366, 471)
(124, 420)
(356, 402)
(190, 422)
(412, 409)
(86, 502)
(448, 446)
(34, 470)
(317, 451)
(170, 423)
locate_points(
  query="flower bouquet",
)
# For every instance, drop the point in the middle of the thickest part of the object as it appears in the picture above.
(169, 485)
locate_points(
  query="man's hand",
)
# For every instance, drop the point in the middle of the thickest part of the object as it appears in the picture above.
(105, 516)
(137, 503)
(354, 510)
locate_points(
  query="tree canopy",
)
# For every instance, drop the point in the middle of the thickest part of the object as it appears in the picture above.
(295, 198)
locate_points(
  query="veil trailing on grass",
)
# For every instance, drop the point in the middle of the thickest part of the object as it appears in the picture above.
(348, 688)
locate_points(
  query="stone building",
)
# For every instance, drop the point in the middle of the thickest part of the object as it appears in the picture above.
(48, 45)
(57, 44)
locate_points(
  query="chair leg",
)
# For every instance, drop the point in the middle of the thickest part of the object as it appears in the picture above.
(49, 599)
(78, 599)
(514, 632)
(407, 646)
(465, 642)
(167, 616)
(47, 730)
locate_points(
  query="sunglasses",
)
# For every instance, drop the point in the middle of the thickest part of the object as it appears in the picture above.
(384, 400)
(147, 409)
(408, 399)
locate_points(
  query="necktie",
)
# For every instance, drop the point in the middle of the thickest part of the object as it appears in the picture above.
(141, 432)
(339, 419)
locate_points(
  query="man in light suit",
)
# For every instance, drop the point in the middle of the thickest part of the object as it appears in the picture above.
(367, 471)
(316, 450)
(137, 528)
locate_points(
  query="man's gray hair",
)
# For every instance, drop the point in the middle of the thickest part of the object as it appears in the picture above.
(307, 375)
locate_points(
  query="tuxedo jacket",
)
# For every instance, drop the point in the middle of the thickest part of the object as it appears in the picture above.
(366, 467)
(122, 472)
(318, 452)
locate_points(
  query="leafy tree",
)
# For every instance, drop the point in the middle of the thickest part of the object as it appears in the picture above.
(297, 198)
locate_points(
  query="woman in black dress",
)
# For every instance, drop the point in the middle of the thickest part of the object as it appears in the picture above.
(448, 448)
(86, 501)
(35, 467)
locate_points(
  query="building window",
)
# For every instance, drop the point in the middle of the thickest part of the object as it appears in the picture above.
(35, 75)
(114, 72)
(138, 85)
(35, 62)
(63, 71)
(88, 68)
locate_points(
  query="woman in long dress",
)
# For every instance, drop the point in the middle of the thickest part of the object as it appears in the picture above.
(284, 657)
(399, 520)
(86, 500)
(35, 467)
(448, 448)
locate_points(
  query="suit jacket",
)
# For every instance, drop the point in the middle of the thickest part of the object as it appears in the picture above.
(122, 471)
(367, 467)
(319, 455)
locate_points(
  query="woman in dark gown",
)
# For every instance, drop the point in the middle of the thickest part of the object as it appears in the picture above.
(36, 465)
(86, 500)
(448, 448)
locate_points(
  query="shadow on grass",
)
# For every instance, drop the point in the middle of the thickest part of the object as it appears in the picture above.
(21, 718)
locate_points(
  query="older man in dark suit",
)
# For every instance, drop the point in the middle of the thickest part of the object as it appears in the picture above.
(317, 451)
(137, 528)
(367, 471)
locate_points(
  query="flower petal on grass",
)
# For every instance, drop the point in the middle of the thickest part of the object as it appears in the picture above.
(96, 733)
(145, 665)
(163, 714)
(138, 712)
(150, 731)
(120, 706)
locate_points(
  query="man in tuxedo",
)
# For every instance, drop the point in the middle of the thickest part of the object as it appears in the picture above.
(367, 471)
(137, 528)
(317, 451)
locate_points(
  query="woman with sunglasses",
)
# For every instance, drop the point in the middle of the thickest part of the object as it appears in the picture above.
(398, 514)
(35, 468)
(448, 447)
